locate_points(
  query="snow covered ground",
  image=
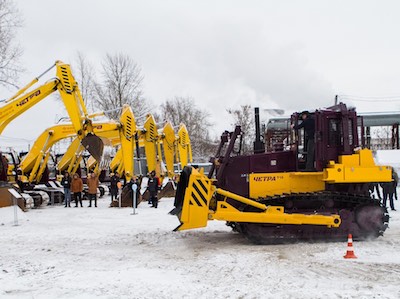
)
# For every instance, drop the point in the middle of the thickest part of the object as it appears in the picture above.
(59, 252)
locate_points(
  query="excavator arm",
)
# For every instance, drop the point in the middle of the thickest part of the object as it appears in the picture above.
(36, 159)
(71, 157)
(184, 146)
(71, 97)
(151, 140)
(148, 138)
(127, 138)
(167, 138)
(149, 135)
(12, 109)
(109, 137)
(116, 161)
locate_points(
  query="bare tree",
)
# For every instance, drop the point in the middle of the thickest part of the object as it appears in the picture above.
(10, 50)
(85, 76)
(244, 118)
(184, 110)
(381, 138)
(122, 84)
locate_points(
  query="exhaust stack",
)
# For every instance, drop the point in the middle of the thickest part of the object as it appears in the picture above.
(259, 145)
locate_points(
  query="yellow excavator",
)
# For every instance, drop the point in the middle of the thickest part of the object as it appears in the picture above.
(163, 147)
(159, 146)
(36, 160)
(147, 138)
(66, 85)
(68, 88)
(73, 156)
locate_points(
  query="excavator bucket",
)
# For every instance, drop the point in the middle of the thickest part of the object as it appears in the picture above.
(94, 145)
(192, 199)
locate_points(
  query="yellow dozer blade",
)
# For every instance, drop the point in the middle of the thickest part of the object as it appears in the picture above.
(195, 192)
(193, 195)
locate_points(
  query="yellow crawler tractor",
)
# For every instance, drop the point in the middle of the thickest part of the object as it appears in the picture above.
(275, 197)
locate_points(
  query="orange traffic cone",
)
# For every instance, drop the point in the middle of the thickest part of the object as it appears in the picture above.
(350, 250)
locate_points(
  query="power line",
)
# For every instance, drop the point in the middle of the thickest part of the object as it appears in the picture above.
(5, 138)
(371, 98)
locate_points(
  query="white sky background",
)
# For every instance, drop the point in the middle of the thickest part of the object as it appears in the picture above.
(293, 55)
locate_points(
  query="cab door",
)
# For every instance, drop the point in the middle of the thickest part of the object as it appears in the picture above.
(329, 137)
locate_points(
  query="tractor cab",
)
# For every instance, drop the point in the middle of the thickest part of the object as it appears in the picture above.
(338, 131)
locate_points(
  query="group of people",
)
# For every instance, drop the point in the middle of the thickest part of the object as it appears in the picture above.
(153, 186)
(73, 187)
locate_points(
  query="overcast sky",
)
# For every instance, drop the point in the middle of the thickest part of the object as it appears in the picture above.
(293, 55)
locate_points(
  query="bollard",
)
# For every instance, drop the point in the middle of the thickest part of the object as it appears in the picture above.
(119, 197)
(119, 185)
(15, 196)
(15, 211)
(134, 189)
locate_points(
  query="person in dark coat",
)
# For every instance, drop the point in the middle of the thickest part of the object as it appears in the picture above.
(113, 187)
(389, 189)
(152, 186)
(66, 183)
(395, 181)
(308, 124)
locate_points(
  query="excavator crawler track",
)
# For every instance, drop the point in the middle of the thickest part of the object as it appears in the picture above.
(362, 216)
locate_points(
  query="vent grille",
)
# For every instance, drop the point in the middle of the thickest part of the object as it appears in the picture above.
(152, 131)
(128, 127)
(65, 78)
(184, 138)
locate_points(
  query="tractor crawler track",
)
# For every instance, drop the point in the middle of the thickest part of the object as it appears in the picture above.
(361, 215)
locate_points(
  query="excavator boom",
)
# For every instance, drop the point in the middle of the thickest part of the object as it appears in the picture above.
(168, 142)
(127, 137)
(71, 97)
(184, 146)
(149, 135)
(41, 148)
